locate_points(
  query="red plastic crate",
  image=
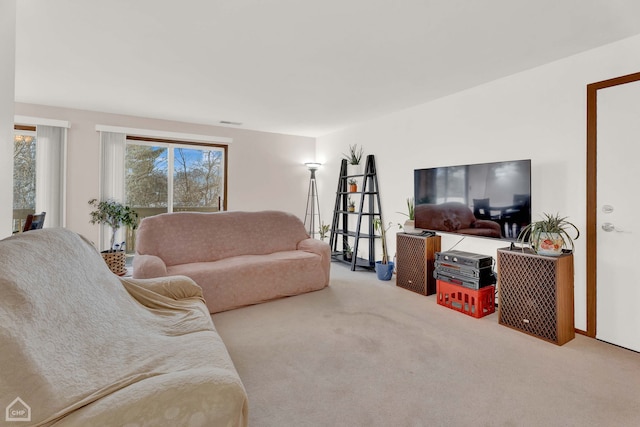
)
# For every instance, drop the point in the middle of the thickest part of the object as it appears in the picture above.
(474, 303)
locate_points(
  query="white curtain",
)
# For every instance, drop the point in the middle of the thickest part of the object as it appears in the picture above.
(112, 164)
(50, 174)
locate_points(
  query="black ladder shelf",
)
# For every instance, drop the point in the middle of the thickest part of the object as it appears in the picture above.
(368, 209)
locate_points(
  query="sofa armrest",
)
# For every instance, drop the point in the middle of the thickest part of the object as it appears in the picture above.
(320, 248)
(174, 287)
(172, 295)
(316, 246)
(147, 266)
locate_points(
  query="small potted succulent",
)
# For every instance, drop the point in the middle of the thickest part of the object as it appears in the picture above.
(348, 252)
(353, 185)
(550, 235)
(351, 206)
(115, 215)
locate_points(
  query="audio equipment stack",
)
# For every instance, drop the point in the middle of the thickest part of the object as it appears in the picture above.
(465, 282)
(473, 271)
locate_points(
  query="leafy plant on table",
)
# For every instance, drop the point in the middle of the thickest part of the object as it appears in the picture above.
(113, 214)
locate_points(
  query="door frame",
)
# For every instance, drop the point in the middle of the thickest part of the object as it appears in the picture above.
(592, 201)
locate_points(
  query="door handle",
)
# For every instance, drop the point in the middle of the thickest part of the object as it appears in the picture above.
(609, 227)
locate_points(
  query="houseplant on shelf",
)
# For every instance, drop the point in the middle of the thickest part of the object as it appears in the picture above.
(384, 268)
(354, 156)
(549, 235)
(353, 185)
(351, 205)
(115, 215)
(348, 252)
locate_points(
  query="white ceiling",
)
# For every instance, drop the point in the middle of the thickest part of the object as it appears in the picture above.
(304, 67)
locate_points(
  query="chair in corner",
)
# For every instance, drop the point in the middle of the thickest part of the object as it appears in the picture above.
(34, 222)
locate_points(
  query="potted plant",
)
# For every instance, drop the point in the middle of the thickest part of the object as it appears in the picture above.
(351, 205)
(115, 215)
(324, 229)
(384, 268)
(550, 235)
(409, 225)
(348, 252)
(353, 160)
(353, 185)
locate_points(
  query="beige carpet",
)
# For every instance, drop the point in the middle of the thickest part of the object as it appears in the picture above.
(367, 353)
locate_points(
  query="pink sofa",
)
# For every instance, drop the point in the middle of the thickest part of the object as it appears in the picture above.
(238, 258)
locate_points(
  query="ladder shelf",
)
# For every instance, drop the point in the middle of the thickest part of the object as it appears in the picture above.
(345, 236)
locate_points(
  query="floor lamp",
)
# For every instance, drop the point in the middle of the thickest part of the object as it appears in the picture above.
(313, 206)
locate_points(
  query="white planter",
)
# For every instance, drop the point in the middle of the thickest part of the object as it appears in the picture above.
(355, 169)
(409, 226)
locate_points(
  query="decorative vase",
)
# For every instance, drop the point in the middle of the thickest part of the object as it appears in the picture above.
(116, 261)
(384, 271)
(549, 244)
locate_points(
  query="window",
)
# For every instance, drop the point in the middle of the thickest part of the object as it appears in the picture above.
(170, 176)
(159, 171)
(24, 174)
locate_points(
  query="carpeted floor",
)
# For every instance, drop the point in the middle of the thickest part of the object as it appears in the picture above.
(366, 353)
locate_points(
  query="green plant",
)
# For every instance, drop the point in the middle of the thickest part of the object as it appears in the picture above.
(351, 203)
(347, 249)
(410, 208)
(113, 214)
(549, 224)
(355, 154)
(324, 229)
(378, 226)
(352, 181)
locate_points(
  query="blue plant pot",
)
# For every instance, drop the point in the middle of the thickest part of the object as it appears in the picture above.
(384, 271)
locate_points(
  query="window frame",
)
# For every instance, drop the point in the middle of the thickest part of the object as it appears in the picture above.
(170, 144)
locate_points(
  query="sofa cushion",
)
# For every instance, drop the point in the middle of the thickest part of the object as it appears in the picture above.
(187, 237)
(251, 279)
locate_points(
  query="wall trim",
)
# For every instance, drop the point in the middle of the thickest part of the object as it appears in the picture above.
(164, 134)
(35, 121)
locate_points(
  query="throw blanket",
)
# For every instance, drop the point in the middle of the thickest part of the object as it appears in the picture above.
(80, 346)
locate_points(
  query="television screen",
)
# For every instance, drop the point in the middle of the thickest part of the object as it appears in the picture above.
(486, 200)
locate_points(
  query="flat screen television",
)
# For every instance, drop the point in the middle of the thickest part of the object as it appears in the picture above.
(483, 200)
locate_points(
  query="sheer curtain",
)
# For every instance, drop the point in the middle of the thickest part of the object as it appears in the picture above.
(112, 177)
(50, 174)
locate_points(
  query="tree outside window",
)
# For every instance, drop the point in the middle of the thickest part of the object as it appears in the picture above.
(196, 182)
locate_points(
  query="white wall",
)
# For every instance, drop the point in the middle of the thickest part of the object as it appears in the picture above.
(265, 170)
(538, 114)
(7, 84)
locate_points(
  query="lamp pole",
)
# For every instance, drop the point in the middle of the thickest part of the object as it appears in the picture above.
(313, 205)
